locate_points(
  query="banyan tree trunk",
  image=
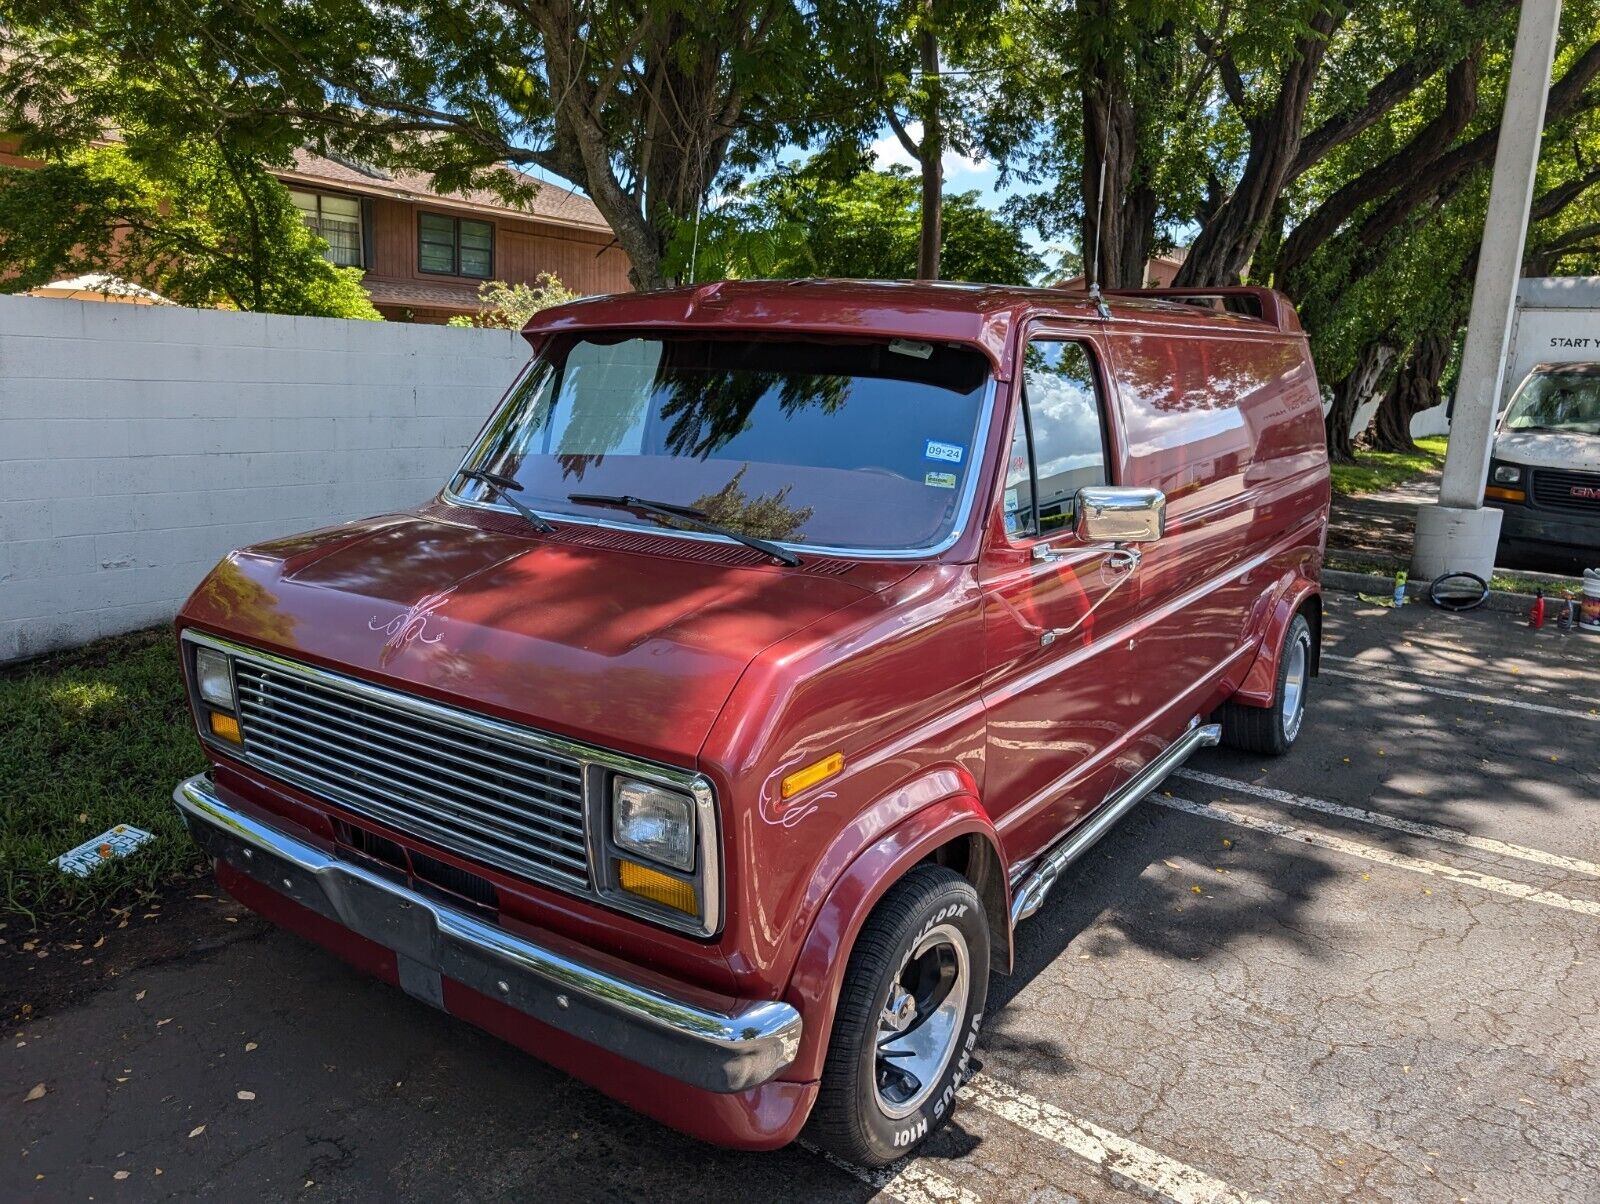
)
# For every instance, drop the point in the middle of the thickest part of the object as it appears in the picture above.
(1415, 388)
(1350, 394)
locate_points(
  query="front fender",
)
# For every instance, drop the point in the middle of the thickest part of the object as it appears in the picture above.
(1262, 679)
(819, 968)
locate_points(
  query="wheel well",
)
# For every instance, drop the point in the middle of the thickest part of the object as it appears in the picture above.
(1312, 609)
(976, 860)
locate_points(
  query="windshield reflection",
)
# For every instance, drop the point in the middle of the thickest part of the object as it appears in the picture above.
(838, 442)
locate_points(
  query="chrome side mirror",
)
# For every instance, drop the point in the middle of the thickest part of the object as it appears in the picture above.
(1120, 514)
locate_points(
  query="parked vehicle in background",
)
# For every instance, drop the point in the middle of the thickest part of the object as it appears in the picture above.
(773, 654)
(1544, 474)
(1545, 461)
(1556, 321)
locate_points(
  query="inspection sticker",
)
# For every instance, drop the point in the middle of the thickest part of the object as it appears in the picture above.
(949, 452)
(940, 480)
(114, 842)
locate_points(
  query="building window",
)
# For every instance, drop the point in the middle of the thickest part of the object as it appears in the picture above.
(455, 246)
(337, 219)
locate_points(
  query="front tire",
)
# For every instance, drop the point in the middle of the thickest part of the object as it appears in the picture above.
(1273, 729)
(909, 1010)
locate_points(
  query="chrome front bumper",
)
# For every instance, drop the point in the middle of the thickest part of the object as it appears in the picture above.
(721, 1051)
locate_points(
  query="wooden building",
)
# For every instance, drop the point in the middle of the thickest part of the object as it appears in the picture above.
(425, 253)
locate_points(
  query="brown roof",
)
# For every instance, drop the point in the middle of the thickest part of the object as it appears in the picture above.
(552, 202)
(423, 296)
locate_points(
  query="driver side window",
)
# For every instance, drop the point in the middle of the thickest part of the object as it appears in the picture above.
(1058, 445)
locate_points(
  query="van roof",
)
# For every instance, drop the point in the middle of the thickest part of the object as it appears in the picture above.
(980, 314)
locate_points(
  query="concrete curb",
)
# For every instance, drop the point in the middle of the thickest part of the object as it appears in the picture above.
(1362, 564)
(1369, 583)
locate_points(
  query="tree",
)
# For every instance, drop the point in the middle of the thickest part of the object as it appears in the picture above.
(803, 222)
(1076, 88)
(641, 104)
(186, 220)
(1203, 115)
(898, 63)
(1564, 234)
(509, 306)
(1382, 258)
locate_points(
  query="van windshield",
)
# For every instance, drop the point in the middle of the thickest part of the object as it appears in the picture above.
(850, 443)
(1557, 401)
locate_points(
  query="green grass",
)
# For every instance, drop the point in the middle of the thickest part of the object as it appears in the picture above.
(1375, 470)
(1513, 583)
(88, 739)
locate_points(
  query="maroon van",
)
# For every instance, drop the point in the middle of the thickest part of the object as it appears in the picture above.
(775, 650)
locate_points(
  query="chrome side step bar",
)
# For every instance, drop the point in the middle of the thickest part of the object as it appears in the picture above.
(1030, 894)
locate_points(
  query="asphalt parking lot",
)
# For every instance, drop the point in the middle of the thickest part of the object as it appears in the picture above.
(1368, 971)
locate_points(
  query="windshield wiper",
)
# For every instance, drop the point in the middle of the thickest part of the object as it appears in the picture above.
(502, 488)
(699, 518)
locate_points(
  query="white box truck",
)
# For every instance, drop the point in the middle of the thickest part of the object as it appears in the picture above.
(1545, 471)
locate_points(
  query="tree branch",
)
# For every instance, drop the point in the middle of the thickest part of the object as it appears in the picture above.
(1383, 96)
(1460, 102)
(912, 147)
(1447, 173)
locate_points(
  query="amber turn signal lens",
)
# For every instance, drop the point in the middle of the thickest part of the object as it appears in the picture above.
(647, 883)
(1505, 495)
(817, 771)
(226, 727)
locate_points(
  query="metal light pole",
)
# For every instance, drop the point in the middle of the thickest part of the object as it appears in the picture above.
(1459, 534)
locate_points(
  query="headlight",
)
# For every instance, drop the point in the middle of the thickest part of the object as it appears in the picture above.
(1507, 474)
(213, 679)
(653, 822)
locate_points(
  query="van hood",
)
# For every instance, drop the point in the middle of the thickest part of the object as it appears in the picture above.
(1549, 449)
(635, 651)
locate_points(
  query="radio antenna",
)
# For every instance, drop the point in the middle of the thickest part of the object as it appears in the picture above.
(1100, 217)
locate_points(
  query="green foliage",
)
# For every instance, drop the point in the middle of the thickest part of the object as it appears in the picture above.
(802, 221)
(1414, 286)
(1372, 282)
(509, 306)
(193, 226)
(90, 739)
(641, 105)
(140, 180)
(1376, 470)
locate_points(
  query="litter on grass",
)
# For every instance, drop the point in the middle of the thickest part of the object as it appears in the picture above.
(113, 842)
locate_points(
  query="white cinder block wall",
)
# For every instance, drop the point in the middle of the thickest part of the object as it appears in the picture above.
(140, 443)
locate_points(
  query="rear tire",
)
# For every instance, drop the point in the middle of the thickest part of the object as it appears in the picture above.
(909, 1010)
(1272, 730)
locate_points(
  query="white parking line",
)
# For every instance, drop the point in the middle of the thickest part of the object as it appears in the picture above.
(1431, 831)
(909, 1181)
(1417, 865)
(1507, 683)
(1491, 699)
(1126, 1162)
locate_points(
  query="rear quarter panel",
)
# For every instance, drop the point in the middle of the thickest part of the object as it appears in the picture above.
(1226, 419)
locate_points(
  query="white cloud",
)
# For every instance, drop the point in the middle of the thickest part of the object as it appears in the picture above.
(887, 152)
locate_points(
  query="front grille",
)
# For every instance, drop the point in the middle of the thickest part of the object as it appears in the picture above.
(1560, 489)
(466, 784)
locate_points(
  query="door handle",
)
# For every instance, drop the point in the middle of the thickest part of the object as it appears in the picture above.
(1123, 559)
